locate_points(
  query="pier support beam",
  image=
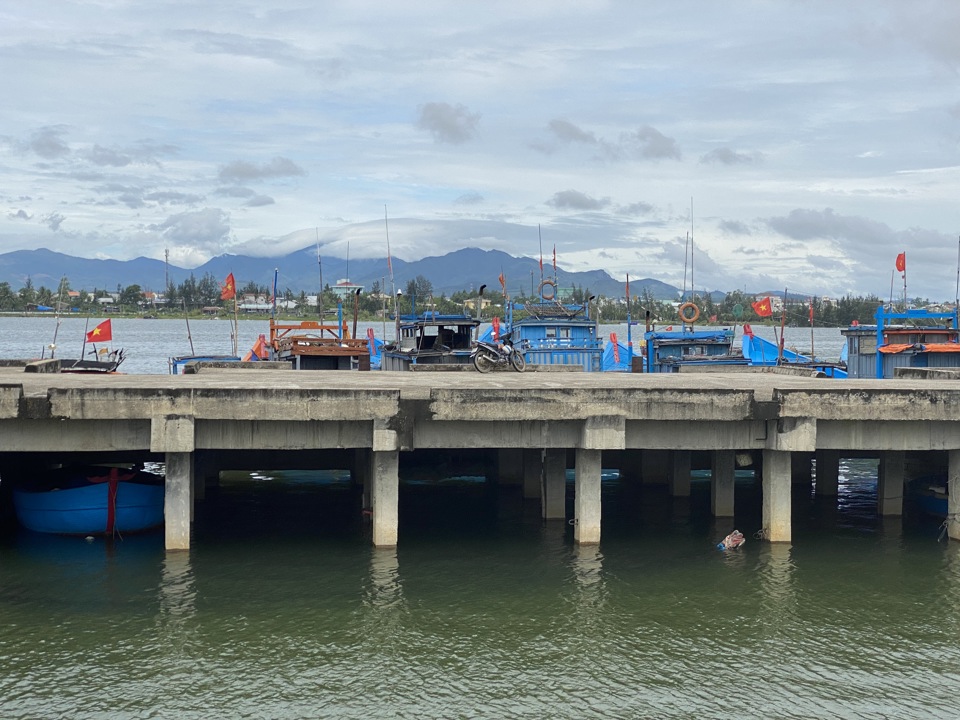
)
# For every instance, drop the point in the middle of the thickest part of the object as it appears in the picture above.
(178, 500)
(680, 473)
(385, 485)
(828, 473)
(554, 502)
(586, 529)
(890, 483)
(721, 484)
(953, 494)
(776, 495)
(385, 497)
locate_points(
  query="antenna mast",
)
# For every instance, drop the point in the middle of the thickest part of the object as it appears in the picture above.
(320, 268)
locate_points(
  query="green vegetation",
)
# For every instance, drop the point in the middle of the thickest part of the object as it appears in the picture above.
(202, 297)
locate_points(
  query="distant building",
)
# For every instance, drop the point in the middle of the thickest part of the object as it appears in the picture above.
(344, 288)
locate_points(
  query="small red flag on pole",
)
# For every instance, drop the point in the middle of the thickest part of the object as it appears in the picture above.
(101, 333)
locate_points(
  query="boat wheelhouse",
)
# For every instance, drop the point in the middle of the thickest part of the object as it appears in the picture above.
(921, 339)
(431, 340)
(688, 349)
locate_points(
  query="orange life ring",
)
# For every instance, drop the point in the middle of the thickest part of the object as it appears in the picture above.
(553, 289)
(688, 318)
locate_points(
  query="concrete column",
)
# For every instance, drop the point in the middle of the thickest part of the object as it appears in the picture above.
(385, 498)
(776, 495)
(532, 472)
(177, 500)
(680, 473)
(586, 529)
(953, 494)
(890, 483)
(828, 473)
(721, 484)
(554, 502)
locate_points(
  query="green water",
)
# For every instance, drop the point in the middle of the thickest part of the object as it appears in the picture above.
(282, 610)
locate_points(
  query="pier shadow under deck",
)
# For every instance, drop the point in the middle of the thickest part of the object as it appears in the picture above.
(528, 428)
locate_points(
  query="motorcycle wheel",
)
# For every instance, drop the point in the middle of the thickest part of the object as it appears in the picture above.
(518, 361)
(483, 361)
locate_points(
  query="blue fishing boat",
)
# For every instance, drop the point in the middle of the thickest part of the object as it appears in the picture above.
(907, 339)
(687, 349)
(90, 500)
(560, 334)
(760, 352)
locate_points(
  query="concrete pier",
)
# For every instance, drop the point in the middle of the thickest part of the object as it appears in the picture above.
(366, 421)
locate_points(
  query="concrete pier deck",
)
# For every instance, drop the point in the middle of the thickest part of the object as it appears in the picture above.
(259, 419)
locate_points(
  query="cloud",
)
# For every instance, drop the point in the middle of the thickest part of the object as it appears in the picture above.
(259, 201)
(570, 133)
(235, 191)
(448, 123)
(647, 143)
(206, 229)
(241, 171)
(19, 215)
(574, 200)
(170, 197)
(54, 221)
(470, 198)
(726, 156)
(47, 142)
(637, 208)
(734, 227)
(107, 157)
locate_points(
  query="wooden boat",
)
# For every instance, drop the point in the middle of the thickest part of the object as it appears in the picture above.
(90, 500)
(430, 340)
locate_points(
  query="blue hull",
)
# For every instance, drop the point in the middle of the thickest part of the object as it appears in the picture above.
(84, 510)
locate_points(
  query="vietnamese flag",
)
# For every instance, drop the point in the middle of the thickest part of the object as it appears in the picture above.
(762, 307)
(902, 262)
(229, 288)
(101, 333)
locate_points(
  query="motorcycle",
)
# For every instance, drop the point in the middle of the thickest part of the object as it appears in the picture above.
(488, 355)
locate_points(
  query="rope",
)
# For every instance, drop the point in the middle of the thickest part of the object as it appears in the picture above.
(761, 534)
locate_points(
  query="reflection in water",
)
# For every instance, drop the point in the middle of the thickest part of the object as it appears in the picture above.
(776, 581)
(177, 603)
(385, 590)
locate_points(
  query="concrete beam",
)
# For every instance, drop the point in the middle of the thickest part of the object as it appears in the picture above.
(603, 432)
(789, 434)
(172, 434)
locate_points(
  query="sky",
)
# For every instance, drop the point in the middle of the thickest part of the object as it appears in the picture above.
(744, 144)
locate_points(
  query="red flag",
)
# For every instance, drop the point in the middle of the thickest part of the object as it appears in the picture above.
(762, 307)
(496, 328)
(101, 333)
(747, 330)
(541, 264)
(229, 288)
(811, 311)
(616, 347)
(902, 262)
(503, 283)
(554, 259)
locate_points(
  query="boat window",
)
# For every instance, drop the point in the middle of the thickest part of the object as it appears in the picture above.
(565, 333)
(868, 344)
(551, 332)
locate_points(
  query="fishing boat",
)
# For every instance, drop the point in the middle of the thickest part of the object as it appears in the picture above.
(760, 352)
(90, 500)
(914, 338)
(688, 349)
(430, 340)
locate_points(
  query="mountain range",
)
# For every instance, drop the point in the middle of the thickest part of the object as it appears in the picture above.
(465, 269)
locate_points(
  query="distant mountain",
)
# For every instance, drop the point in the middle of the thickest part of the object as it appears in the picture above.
(464, 269)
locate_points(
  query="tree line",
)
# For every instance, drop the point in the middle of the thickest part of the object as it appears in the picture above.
(417, 295)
